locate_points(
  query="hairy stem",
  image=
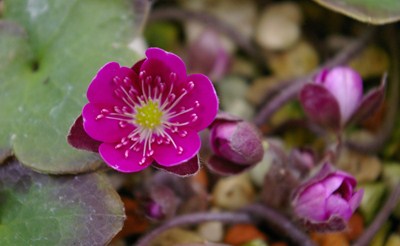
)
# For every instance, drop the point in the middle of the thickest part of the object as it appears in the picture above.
(380, 219)
(193, 219)
(376, 142)
(279, 223)
(292, 90)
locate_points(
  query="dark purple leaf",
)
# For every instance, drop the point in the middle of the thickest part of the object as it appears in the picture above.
(189, 168)
(224, 167)
(370, 103)
(334, 224)
(79, 139)
(320, 105)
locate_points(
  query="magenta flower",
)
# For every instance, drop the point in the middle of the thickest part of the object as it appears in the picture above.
(149, 113)
(328, 200)
(336, 97)
(237, 145)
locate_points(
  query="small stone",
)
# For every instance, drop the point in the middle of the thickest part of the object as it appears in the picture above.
(176, 236)
(329, 239)
(243, 233)
(260, 86)
(232, 97)
(365, 168)
(393, 240)
(372, 62)
(231, 88)
(297, 61)
(279, 26)
(233, 192)
(257, 174)
(241, 108)
(391, 173)
(239, 14)
(243, 67)
(212, 231)
(373, 198)
(355, 227)
(256, 242)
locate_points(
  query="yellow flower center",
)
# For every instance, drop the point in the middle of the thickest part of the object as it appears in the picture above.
(149, 115)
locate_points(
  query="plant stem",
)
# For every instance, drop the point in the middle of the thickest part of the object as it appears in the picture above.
(192, 219)
(381, 218)
(292, 90)
(210, 21)
(279, 223)
(376, 142)
(142, 9)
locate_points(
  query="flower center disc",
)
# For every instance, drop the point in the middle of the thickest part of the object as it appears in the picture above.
(149, 115)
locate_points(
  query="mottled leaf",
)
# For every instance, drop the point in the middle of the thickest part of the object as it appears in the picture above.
(371, 11)
(45, 71)
(37, 209)
(15, 55)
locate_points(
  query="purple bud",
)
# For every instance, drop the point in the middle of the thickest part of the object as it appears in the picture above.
(327, 200)
(237, 145)
(154, 211)
(346, 86)
(237, 141)
(334, 97)
(161, 203)
(208, 55)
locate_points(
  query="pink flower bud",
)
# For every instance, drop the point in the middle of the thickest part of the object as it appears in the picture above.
(236, 143)
(346, 86)
(239, 142)
(336, 98)
(327, 200)
(208, 55)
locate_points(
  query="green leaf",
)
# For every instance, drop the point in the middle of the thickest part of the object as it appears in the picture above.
(38, 209)
(45, 72)
(371, 11)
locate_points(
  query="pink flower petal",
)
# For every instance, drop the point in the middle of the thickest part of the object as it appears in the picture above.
(102, 88)
(336, 205)
(346, 85)
(116, 159)
(185, 169)
(332, 183)
(356, 200)
(203, 98)
(167, 155)
(162, 63)
(103, 129)
(308, 194)
(311, 204)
